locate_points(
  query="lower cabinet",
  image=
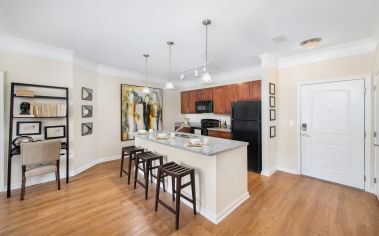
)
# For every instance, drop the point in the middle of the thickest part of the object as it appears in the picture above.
(220, 134)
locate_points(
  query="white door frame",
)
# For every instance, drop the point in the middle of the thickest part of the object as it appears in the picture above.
(368, 100)
(2, 131)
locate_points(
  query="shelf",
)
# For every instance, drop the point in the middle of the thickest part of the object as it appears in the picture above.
(39, 117)
(16, 150)
(41, 97)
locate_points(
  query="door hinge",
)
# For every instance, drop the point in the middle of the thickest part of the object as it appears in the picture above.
(374, 134)
(374, 88)
(364, 134)
(364, 178)
(374, 180)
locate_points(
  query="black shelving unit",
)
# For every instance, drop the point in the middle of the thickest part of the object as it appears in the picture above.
(12, 151)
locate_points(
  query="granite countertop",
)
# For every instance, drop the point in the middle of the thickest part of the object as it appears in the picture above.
(214, 147)
(220, 129)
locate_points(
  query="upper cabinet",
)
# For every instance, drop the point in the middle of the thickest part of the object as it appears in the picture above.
(222, 96)
(204, 94)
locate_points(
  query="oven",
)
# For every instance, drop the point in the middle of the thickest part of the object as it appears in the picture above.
(208, 123)
(204, 107)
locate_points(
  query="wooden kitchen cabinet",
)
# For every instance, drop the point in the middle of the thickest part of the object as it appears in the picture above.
(255, 90)
(219, 100)
(204, 94)
(213, 133)
(192, 101)
(220, 134)
(222, 96)
(243, 91)
(184, 102)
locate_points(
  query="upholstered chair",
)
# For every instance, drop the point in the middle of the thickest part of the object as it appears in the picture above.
(40, 158)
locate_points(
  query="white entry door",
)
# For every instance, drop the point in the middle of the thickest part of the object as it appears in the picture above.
(332, 132)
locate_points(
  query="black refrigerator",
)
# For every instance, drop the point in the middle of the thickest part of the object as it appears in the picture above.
(246, 126)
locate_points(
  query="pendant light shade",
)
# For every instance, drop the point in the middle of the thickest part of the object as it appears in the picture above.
(206, 77)
(146, 89)
(170, 85)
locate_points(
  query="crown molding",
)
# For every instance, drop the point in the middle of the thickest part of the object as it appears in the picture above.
(342, 50)
(268, 59)
(41, 50)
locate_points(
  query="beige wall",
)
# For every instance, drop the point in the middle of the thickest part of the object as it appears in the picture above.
(288, 80)
(30, 69)
(84, 147)
(105, 140)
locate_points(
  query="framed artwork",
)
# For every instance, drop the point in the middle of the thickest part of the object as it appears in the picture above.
(87, 111)
(272, 131)
(58, 131)
(140, 111)
(272, 88)
(87, 128)
(28, 128)
(87, 94)
(272, 101)
(272, 114)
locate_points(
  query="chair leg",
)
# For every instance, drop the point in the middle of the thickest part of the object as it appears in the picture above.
(157, 190)
(193, 191)
(147, 170)
(122, 162)
(130, 166)
(177, 210)
(57, 176)
(23, 183)
(164, 184)
(136, 171)
(173, 187)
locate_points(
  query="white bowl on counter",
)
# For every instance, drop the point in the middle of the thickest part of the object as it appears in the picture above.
(162, 135)
(142, 131)
(195, 141)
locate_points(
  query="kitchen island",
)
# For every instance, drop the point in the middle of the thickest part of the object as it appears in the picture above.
(220, 170)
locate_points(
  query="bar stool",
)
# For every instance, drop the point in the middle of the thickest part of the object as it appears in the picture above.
(147, 159)
(176, 172)
(131, 152)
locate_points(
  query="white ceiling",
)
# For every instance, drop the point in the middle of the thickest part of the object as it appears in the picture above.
(117, 33)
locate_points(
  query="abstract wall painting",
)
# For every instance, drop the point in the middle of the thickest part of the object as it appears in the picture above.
(140, 111)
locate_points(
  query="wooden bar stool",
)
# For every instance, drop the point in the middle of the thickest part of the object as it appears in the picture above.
(131, 152)
(147, 159)
(177, 172)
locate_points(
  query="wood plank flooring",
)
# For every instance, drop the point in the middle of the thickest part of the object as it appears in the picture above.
(99, 202)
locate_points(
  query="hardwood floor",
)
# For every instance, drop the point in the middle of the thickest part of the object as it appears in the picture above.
(99, 202)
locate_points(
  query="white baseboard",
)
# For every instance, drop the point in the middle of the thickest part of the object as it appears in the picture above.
(268, 172)
(288, 170)
(231, 207)
(51, 176)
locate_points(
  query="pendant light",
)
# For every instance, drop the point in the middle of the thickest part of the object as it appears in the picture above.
(206, 77)
(170, 84)
(146, 89)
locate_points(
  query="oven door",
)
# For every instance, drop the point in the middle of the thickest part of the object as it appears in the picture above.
(204, 107)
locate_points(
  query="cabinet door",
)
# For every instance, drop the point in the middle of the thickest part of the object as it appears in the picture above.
(184, 102)
(192, 101)
(225, 135)
(255, 90)
(218, 100)
(230, 97)
(243, 91)
(213, 133)
(200, 95)
(208, 94)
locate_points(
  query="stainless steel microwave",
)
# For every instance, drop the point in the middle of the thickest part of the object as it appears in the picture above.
(204, 107)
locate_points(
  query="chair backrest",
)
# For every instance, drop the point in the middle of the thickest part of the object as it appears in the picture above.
(40, 152)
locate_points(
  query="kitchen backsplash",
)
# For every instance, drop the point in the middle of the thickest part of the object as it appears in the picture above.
(198, 117)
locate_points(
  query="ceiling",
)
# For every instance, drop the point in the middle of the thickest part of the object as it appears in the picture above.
(117, 33)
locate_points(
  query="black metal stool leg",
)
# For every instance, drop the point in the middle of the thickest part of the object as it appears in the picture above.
(147, 170)
(193, 191)
(136, 171)
(130, 166)
(158, 189)
(173, 187)
(122, 162)
(177, 211)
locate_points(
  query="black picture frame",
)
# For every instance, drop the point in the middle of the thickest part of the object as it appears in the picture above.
(272, 131)
(271, 88)
(19, 128)
(62, 127)
(87, 94)
(272, 101)
(87, 128)
(85, 109)
(272, 114)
